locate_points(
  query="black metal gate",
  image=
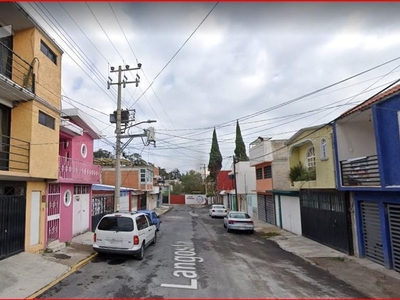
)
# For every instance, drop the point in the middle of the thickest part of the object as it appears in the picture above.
(325, 218)
(262, 211)
(165, 199)
(101, 205)
(12, 218)
(270, 209)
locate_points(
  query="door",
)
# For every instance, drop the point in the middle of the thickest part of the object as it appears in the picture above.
(262, 212)
(371, 231)
(290, 208)
(143, 228)
(81, 213)
(394, 228)
(53, 212)
(35, 219)
(270, 209)
(12, 218)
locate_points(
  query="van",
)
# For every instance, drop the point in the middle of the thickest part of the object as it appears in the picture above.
(124, 233)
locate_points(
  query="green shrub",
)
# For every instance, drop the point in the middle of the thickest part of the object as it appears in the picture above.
(300, 173)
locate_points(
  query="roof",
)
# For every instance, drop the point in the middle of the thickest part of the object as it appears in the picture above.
(298, 133)
(83, 121)
(104, 187)
(369, 102)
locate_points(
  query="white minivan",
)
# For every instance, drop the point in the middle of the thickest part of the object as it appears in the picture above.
(124, 233)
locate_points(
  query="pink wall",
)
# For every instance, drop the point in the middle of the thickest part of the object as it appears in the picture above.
(66, 214)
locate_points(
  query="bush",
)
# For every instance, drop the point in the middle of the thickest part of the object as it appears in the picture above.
(300, 173)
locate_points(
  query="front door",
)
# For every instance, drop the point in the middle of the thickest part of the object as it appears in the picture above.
(81, 216)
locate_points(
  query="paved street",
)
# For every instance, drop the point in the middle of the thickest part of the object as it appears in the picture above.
(196, 258)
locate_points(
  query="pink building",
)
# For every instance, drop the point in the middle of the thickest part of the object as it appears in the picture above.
(69, 204)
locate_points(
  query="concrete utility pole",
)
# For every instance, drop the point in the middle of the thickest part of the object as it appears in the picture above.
(205, 176)
(123, 117)
(234, 174)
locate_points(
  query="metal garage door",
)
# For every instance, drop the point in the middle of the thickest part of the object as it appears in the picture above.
(371, 231)
(262, 215)
(394, 227)
(270, 207)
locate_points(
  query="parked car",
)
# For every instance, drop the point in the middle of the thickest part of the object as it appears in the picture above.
(238, 220)
(153, 217)
(217, 210)
(124, 233)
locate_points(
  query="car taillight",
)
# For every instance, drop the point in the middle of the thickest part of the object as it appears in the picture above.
(250, 222)
(135, 240)
(94, 238)
(231, 222)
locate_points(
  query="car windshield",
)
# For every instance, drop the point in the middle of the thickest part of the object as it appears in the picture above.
(218, 206)
(239, 216)
(116, 224)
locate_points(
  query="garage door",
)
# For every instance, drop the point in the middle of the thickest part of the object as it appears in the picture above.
(262, 213)
(270, 207)
(394, 227)
(290, 209)
(371, 231)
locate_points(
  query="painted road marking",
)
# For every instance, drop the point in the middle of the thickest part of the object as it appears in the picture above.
(185, 265)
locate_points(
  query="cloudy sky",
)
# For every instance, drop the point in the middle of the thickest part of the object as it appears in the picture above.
(207, 65)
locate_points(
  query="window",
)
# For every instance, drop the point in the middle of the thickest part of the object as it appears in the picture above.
(310, 158)
(324, 149)
(267, 172)
(142, 175)
(83, 150)
(48, 52)
(46, 120)
(116, 224)
(67, 198)
(141, 222)
(259, 173)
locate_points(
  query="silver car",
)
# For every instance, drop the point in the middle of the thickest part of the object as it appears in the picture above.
(217, 210)
(238, 220)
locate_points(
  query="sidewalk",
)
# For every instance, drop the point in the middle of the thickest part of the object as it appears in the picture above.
(370, 278)
(28, 275)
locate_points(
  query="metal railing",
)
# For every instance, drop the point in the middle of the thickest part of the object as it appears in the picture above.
(71, 170)
(361, 171)
(16, 68)
(14, 154)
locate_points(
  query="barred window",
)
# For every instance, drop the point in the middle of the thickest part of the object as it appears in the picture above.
(267, 172)
(259, 173)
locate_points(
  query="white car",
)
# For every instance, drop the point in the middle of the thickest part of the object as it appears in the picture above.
(217, 210)
(124, 233)
(238, 220)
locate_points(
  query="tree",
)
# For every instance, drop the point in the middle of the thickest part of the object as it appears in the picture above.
(192, 182)
(163, 173)
(175, 174)
(134, 159)
(102, 154)
(240, 150)
(215, 162)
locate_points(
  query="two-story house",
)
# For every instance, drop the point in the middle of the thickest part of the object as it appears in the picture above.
(324, 211)
(140, 178)
(367, 139)
(269, 159)
(225, 184)
(69, 205)
(30, 103)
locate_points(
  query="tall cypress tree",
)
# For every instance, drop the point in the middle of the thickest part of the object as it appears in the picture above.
(215, 163)
(240, 150)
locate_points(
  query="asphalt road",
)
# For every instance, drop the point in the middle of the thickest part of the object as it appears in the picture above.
(196, 258)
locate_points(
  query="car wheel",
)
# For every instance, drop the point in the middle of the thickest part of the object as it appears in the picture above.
(155, 239)
(252, 231)
(141, 252)
(227, 229)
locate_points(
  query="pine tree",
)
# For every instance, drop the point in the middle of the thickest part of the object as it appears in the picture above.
(240, 150)
(215, 163)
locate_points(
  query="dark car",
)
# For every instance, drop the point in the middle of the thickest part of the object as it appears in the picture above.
(153, 216)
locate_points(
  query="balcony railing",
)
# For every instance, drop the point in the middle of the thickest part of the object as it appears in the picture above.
(14, 154)
(71, 170)
(16, 68)
(361, 171)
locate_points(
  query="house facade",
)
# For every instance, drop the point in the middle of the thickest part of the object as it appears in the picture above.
(30, 103)
(324, 211)
(367, 140)
(225, 184)
(270, 162)
(69, 204)
(141, 178)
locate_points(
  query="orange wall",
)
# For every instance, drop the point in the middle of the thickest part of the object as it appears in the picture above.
(263, 185)
(129, 178)
(177, 199)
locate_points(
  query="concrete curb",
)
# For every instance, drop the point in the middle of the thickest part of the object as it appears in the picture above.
(72, 269)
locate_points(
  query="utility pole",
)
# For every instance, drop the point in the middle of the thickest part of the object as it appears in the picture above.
(205, 177)
(123, 117)
(234, 174)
